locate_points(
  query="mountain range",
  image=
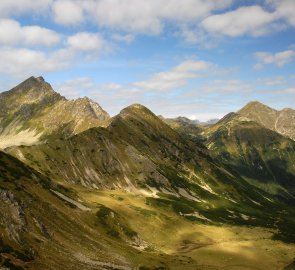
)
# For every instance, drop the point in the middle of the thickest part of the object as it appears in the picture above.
(81, 189)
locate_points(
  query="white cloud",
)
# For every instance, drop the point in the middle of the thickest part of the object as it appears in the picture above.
(76, 87)
(279, 59)
(176, 77)
(205, 116)
(19, 60)
(192, 35)
(149, 17)
(111, 96)
(128, 38)
(85, 41)
(252, 20)
(67, 12)
(290, 90)
(225, 86)
(16, 7)
(285, 9)
(25, 62)
(136, 16)
(273, 81)
(12, 33)
(114, 96)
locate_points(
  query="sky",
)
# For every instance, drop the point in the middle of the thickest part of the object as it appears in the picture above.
(195, 58)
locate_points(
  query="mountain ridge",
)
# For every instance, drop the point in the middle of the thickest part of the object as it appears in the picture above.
(133, 192)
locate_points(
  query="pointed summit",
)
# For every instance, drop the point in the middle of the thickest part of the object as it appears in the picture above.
(136, 107)
(260, 113)
(40, 79)
(282, 122)
(137, 110)
(87, 106)
(138, 119)
(33, 82)
(32, 90)
(255, 107)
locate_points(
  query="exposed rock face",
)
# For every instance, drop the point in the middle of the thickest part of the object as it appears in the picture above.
(33, 112)
(282, 121)
(12, 215)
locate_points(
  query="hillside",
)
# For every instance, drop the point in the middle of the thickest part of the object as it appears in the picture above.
(40, 229)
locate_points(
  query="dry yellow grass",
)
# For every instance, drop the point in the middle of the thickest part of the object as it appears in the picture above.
(212, 247)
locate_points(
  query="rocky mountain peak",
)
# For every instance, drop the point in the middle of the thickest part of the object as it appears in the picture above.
(33, 82)
(255, 107)
(92, 107)
(32, 90)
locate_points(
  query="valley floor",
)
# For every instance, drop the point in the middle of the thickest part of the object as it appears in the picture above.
(182, 244)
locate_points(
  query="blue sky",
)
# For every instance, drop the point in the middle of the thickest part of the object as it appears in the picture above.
(195, 58)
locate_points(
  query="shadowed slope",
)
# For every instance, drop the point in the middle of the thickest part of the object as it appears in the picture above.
(262, 156)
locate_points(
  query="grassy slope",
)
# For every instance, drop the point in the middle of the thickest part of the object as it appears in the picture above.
(260, 155)
(195, 245)
(61, 236)
(41, 231)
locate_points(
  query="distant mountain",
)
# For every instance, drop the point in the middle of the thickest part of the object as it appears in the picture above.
(185, 120)
(32, 112)
(212, 121)
(262, 156)
(282, 121)
(184, 126)
(187, 127)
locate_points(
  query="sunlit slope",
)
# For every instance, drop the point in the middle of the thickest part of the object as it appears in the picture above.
(198, 244)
